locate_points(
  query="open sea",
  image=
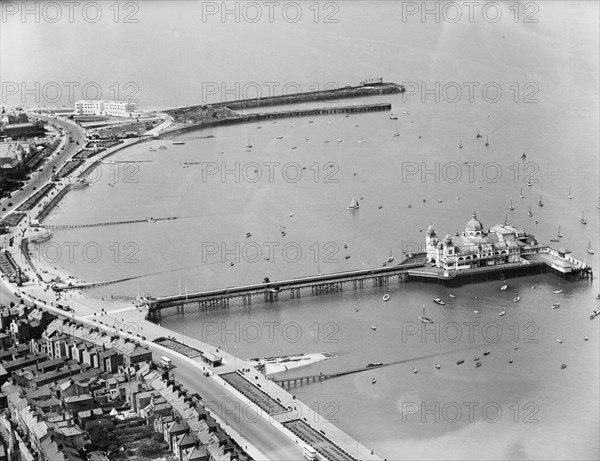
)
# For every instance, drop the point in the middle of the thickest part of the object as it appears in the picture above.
(297, 177)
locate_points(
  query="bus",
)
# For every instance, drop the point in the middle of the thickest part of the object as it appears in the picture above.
(166, 362)
(310, 453)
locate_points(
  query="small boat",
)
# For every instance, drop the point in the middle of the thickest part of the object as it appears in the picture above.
(339, 139)
(478, 135)
(415, 370)
(283, 233)
(529, 213)
(452, 296)
(556, 292)
(582, 220)
(517, 299)
(386, 297)
(589, 248)
(540, 202)
(231, 263)
(163, 147)
(437, 366)
(152, 149)
(476, 359)
(373, 327)
(390, 257)
(524, 156)
(249, 145)
(460, 145)
(393, 117)
(511, 206)
(291, 214)
(510, 360)
(529, 183)
(563, 366)
(585, 338)
(347, 256)
(559, 341)
(373, 381)
(424, 319)
(380, 207)
(559, 233)
(487, 141)
(248, 234)
(516, 348)
(353, 205)
(521, 194)
(504, 287)
(554, 240)
(475, 312)
(478, 364)
(326, 141)
(486, 353)
(570, 195)
(555, 305)
(178, 143)
(396, 134)
(501, 314)
(279, 137)
(361, 140)
(405, 112)
(439, 301)
(460, 362)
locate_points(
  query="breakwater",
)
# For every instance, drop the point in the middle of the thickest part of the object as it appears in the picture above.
(312, 96)
(257, 117)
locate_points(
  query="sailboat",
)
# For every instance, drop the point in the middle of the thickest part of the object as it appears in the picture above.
(361, 140)
(589, 249)
(353, 204)
(396, 134)
(529, 213)
(460, 146)
(583, 221)
(390, 258)
(521, 194)
(559, 233)
(511, 207)
(423, 318)
(570, 195)
(540, 202)
(487, 141)
(249, 145)
(478, 135)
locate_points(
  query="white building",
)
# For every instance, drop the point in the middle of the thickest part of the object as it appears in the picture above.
(100, 107)
(476, 247)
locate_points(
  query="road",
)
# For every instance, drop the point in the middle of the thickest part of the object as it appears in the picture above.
(39, 178)
(270, 441)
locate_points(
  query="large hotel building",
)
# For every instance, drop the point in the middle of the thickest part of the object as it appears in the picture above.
(99, 107)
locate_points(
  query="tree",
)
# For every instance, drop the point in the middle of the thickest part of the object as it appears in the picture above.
(149, 447)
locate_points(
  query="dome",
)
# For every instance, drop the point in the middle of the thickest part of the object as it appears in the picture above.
(474, 224)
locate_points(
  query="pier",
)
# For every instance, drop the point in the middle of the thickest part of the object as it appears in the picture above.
(539, 260)
(271, 291)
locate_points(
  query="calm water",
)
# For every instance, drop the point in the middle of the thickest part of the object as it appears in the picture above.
(557, 409)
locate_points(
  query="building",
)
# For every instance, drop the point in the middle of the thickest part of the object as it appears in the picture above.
(477, 247)
(100, 107)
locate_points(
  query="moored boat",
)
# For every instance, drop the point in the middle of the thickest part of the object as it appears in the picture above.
(353, 204)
